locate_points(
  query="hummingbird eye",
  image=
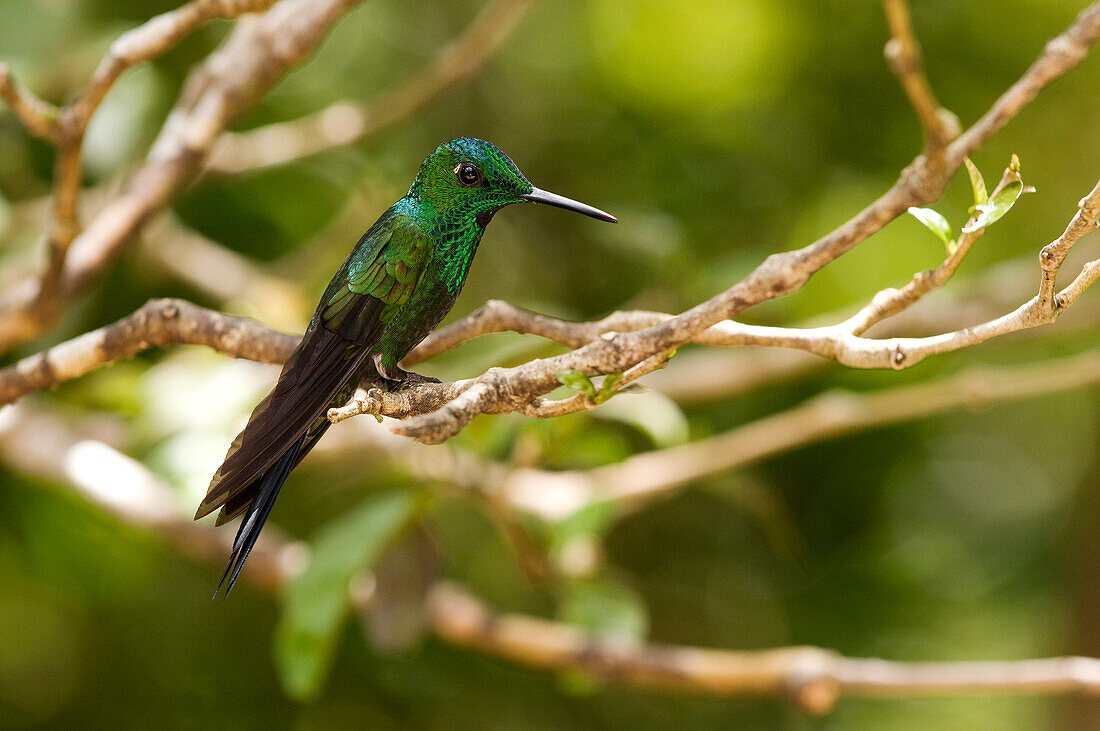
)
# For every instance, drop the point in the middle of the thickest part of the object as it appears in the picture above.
(468, 174)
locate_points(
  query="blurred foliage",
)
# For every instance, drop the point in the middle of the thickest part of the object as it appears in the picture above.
(718, 133)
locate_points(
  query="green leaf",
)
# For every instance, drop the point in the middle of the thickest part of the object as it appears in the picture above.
(934, 222)
(578, 381)
(997, 206)
(607, 387)
(316, 602)
(605, 608)
(977, 182)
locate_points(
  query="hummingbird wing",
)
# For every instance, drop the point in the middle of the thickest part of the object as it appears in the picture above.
(379, 275)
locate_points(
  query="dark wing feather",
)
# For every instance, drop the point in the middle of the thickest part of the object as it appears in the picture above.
(313, 375)
(348, 322)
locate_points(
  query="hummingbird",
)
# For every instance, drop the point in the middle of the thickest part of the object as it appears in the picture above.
(395, 286)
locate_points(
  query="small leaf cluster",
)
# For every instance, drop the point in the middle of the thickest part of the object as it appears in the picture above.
(987, 209)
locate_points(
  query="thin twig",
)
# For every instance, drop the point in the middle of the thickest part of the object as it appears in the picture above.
(642, 478)
(344, 123)
(1054, 254)
(38, 116)
(812, 678)
(1060, 54)
(890, 302)
(903, 54)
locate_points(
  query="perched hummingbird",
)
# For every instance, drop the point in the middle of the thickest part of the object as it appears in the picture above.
(396, 285)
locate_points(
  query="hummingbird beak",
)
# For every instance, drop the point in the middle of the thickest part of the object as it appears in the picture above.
(553, 199)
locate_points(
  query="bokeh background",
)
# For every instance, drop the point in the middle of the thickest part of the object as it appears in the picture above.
(718, 132)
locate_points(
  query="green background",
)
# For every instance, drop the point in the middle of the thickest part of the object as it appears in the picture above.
(718, 132)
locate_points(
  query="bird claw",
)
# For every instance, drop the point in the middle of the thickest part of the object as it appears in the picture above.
(398, 379)
(412, 379)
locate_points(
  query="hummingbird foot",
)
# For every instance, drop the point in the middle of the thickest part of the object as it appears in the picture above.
(398, 378)
(410, 379)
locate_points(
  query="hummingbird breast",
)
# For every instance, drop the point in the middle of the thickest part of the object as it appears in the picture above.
(444, 275)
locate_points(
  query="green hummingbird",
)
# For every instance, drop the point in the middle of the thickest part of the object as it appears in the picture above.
(396, 285)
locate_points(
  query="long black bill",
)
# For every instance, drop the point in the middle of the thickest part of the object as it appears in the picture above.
(553, 199)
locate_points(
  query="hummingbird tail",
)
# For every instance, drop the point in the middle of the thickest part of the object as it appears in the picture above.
(269, 484)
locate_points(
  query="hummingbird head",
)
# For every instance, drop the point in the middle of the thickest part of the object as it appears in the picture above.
(468, 176)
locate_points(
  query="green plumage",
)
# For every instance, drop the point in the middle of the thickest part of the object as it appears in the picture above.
(401, 279)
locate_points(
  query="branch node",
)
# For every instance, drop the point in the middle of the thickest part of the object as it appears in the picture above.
(897, 361)
(1048, 258)
(811, 685)
(817, 696)
(38, 116)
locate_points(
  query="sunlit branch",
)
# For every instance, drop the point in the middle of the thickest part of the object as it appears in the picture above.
(501, 390)
(159, 322)
(812, 678)
(644, 477)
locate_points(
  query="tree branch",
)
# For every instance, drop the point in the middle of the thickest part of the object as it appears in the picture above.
(903, 54)
(157, 323)
(141, 44)
(39, 117)
(642, 478)
(345, 122)
(502, 390)
(814, 679)
(251, 60)
(1061, 53)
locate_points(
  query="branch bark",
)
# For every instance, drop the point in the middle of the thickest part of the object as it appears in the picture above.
(812, 678)
(502, 390)
(157, 323)
(439, 411)
(252, 59)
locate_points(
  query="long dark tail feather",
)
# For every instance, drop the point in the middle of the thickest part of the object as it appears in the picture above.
(256, 515)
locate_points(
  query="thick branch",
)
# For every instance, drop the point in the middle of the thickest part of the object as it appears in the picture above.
(158, 323)
(141, 44)
(251, 60)
(512, 389)
(153, 38)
